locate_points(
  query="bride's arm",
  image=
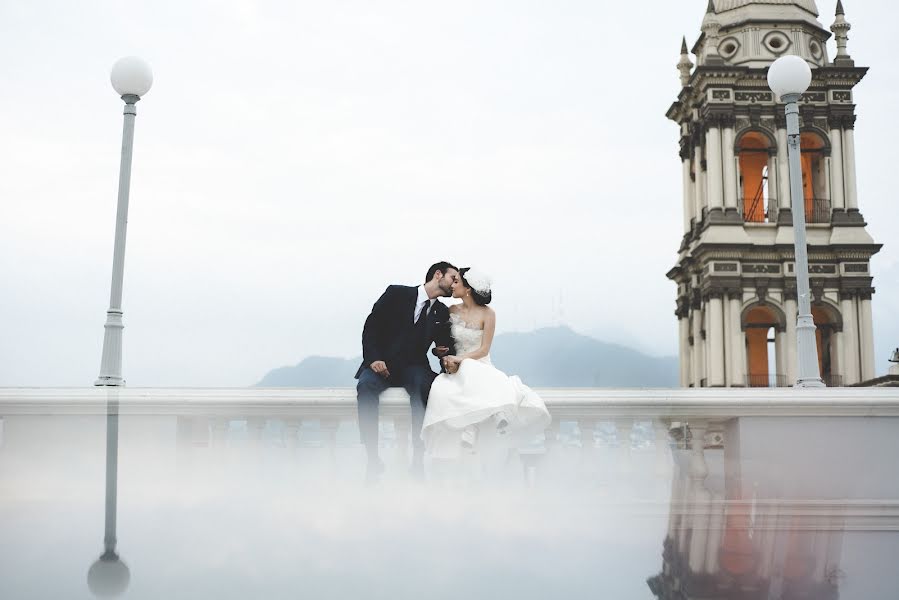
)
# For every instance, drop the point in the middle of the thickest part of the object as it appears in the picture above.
(486, 340)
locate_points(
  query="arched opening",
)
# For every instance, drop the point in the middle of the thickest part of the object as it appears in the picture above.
(761, 325)
(814, 178)
(753, 150)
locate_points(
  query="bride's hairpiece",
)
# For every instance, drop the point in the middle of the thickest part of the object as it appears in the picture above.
(478, 280)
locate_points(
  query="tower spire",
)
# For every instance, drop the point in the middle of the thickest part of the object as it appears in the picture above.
(840, 29)
(711, 7)
(684, 66)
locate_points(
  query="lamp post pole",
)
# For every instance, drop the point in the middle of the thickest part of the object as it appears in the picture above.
(111, 362)
(789, 77)
(131, 78)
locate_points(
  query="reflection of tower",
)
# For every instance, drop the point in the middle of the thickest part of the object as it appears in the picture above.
(109, 576)
(734, 273)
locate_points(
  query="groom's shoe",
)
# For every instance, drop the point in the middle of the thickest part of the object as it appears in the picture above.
(373, 471)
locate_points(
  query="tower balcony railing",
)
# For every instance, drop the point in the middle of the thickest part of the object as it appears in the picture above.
(779, 380)
(817, 211)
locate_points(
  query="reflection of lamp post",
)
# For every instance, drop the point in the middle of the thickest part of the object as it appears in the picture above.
(788, 78)
(109, 576)
(131, 77)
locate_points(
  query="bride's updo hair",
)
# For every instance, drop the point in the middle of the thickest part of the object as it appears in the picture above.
(479, 298)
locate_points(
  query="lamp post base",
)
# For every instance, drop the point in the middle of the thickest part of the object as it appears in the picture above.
(809, 383)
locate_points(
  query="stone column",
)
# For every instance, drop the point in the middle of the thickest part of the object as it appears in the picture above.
(737, 340)
(698, 184)
(715, 168)
(849, 360)
(783, 168)
(773, 194)
(780, 350)
(715, 334)
(688, 192)
(837, 196)
(684, 343)
(706, 348)
(866, 336)
(836, 353)
(730, 168)
(698, 343)
(792, 311)
(849, 165)
(728, 346)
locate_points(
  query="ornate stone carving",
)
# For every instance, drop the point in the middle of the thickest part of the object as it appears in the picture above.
(725, 267)
(841, 96)
(753, 97)
(856, 268)
(761, 269)
(814, 97)
(819, 269)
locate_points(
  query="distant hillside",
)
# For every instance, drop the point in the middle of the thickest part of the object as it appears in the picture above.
(551, 357)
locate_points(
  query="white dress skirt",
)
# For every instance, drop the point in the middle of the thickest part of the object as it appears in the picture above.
(472, 395)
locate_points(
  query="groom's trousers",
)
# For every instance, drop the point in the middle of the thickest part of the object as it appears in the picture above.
(416, 379)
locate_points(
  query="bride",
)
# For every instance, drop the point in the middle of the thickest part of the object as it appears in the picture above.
(474, 399)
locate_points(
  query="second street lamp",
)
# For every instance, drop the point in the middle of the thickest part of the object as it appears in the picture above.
(131, 78)
(789, 77)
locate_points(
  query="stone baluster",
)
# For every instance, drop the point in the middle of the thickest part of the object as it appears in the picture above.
(329, 428)
(291, 432)
(587, 428)
(716, 532)
(255, 427)
(219, 432)
(625, 428)
(701, 499)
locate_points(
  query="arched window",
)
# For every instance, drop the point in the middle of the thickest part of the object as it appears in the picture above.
(753, 150)
(814, 178)
(761, 324)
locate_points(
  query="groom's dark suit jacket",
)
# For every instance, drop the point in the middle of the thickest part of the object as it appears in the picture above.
(391, 335)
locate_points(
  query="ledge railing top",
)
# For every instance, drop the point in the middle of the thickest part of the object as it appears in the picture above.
(562, 402)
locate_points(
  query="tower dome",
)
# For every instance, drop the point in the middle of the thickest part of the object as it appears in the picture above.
(726, 5)
(755, 33)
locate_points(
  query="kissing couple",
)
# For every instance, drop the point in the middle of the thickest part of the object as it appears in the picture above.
(470, 400)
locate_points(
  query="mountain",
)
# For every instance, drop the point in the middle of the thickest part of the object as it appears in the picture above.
(550, 357)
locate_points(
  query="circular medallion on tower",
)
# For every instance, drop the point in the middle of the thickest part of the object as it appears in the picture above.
(777, 42)
(815, 49)
(729, 47)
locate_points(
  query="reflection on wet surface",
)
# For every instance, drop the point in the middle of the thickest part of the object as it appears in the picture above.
(242, 499)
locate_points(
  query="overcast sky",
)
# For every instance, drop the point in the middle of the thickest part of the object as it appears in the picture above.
(295, 157)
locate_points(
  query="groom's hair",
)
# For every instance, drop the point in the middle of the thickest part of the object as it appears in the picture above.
(441, 266)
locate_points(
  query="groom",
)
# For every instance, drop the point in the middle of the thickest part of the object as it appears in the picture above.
(395, 340)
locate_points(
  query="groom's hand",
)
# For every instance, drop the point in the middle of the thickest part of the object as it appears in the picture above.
(440, 351)
(380, 367)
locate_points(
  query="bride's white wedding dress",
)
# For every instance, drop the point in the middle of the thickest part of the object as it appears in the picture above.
(472, 395)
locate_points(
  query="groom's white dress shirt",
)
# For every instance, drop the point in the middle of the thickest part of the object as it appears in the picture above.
(422, 299)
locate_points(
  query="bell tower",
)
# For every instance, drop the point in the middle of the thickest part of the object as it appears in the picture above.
(736, 285)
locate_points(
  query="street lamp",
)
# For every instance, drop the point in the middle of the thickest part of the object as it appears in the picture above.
(131, 78)
(788, 78)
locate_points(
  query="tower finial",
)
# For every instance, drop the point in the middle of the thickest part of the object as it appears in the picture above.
(840, 29)
(711, 7)
(684, 65)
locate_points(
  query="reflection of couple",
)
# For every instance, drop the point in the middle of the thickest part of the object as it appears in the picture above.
(471, 399)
